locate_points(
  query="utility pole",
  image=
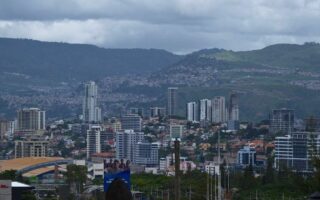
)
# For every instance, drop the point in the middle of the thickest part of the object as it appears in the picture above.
(177, 169)
(190, 192)
(210, 184)
(208, 174)
(219, 175)
(215, 186)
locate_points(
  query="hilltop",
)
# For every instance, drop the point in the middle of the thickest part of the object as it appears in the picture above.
(50, 74)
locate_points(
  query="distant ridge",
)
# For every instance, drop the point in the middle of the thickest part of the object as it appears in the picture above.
(64, 62)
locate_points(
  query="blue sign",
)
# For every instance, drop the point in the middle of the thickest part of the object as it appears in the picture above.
(109, 177)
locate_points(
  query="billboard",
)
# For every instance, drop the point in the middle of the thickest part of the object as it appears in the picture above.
(116, 170)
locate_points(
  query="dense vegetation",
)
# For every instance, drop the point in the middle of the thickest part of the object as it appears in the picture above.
(270, 185)
(50, 61)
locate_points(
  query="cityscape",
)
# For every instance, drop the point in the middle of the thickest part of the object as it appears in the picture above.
(160, 100)
(212, 140)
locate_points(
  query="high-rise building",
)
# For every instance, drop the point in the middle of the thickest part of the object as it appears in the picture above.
(96, 140)
(192, 112)
(233, 108)
(31, 148)
(131, 121)
(205, 110)
(297, 150)
(172, 101)
(282, 120)
(157, 112)
(126, 142)
(219, 109)
(146, 153)
(31, 119)
(90, 111)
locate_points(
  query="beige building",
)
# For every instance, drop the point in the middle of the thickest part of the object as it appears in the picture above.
(31, 119)
(31, 148)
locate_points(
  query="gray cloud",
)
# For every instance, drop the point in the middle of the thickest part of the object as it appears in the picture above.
(176, 25)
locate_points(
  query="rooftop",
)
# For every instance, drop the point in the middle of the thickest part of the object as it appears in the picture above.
(21, 163)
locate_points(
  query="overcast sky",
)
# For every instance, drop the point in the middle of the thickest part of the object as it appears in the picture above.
(176, 25)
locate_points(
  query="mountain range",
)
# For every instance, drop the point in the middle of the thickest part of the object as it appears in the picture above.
(51, 74)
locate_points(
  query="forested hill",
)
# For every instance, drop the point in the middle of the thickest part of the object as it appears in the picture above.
(64, 62)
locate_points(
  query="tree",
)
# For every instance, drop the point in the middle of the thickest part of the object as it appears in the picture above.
(76, 177)
(269, 175)
(248, 180)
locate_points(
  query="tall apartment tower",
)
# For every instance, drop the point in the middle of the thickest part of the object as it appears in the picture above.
(126, 142)
(192, 112)
(90, 111)
(31, 119)
(219, 113)
(233, 108)
(282, 120)
(205, 110)
(172, 101)
(95, 140)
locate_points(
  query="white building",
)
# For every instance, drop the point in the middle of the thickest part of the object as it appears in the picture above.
(219, 113)
(205, 110)
(192, 112)
(126, 142)
(212, 169)
(297, 150)
(90, 111)
(94, 140)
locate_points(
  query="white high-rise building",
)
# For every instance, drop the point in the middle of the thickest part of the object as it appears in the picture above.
(192, 112)
(205, 110)
(126, 142)
(94, 140)
(90, 111)
(219, 113)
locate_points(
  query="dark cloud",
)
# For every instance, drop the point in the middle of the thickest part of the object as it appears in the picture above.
(176, 25)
